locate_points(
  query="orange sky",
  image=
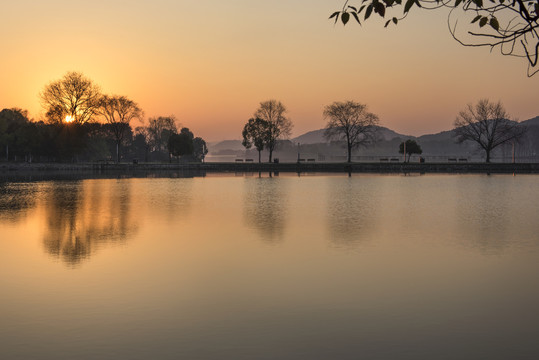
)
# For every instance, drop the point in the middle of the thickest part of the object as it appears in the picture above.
(211, 62)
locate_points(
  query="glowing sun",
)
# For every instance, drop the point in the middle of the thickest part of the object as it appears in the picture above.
(69, 119)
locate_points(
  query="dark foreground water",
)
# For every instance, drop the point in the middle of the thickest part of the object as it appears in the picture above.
(315, 267)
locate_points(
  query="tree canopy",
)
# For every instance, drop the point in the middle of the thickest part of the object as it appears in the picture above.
(200, 149)
(181, 144)
(255, 133)
(510, 25)
(410, 147)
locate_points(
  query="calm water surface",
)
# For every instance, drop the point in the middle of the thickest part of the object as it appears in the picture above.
(232, 267)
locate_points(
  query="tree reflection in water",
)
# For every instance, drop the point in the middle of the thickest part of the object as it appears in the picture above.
(351, 213)
(83, 216)
(484, 215)
(16, 199)
(265, 207)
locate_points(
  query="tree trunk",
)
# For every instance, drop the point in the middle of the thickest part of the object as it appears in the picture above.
(117, 152)
(7, 152)
(488, 156)
(270, 154)
(259, 157)
(349, 153)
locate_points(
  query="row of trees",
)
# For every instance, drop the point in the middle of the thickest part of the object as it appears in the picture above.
(81, 123)
(487, 124)
(74, 105)
(349, 121)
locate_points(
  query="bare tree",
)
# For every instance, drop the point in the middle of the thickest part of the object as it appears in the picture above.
(278, 125)
(488, 125)
(159, 130)
(72, 99)
(350, 121)
(118, 112)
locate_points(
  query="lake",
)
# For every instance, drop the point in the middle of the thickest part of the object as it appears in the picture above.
(282, 267)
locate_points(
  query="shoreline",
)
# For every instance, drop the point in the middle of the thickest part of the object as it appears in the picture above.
(237, 167)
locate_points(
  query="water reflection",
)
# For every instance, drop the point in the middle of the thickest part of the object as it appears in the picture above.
(265, 207)
(83, 216)
(483, 215)
(16, 200)
(350, 213)
(171, 199)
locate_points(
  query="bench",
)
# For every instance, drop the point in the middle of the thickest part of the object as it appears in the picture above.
(239, 160)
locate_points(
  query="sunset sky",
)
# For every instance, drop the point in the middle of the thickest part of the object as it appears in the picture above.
(211, 62)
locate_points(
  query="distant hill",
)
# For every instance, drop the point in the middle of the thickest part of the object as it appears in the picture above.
(218, 146)
(311, 137)
(531, 122)
(317, 136)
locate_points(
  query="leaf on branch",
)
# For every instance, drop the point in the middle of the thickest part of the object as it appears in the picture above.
(457, 3)
(352, 7)
(395, 20)
(476, 19)
(494, 23)
(380, 9)
(361, 8)
(356, 17)
(336, 15)
(387, 23)
(408, 5)
(483, 21)
(478, 3)
(345, 17)
(368, 12)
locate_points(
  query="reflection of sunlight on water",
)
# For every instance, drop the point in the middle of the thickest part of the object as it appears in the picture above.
(82, 216)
